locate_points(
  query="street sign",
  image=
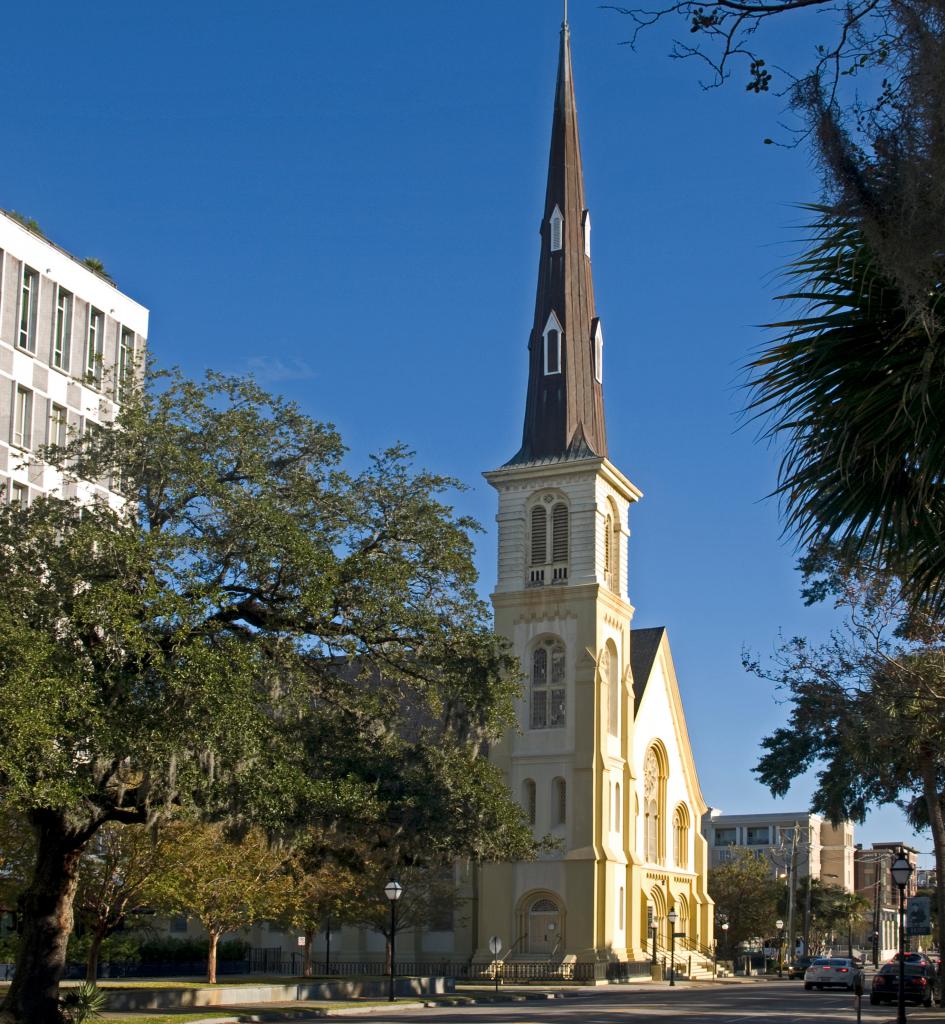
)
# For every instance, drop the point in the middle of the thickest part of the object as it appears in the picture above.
(301, 940)
(495, 945)
(919, 915)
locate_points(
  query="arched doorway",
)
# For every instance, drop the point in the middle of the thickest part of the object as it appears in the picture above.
(544, 926)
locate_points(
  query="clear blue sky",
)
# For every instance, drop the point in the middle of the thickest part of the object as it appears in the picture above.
(344, 198)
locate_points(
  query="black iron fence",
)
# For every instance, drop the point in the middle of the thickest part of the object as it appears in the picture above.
(276, 962)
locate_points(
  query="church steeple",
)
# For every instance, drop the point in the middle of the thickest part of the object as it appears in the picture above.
(564, 408)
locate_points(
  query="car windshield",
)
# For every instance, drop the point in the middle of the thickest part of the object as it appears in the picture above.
(819, 962)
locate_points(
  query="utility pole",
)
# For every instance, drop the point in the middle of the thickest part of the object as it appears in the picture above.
(807, 901)
(792, 875)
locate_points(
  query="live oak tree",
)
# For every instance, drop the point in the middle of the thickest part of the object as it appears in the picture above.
(252, 608)
(867, 708)
(224, 883)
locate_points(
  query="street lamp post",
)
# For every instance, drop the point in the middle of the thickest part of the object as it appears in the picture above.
(901, 872)
(725, 937)
(672, 946)
(393, 891)
(779, 924)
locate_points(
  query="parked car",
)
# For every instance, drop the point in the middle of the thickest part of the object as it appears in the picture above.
(919, 978)
(797, 967)
(832, 972)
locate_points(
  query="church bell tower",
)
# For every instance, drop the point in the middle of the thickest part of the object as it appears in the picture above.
(561, 600)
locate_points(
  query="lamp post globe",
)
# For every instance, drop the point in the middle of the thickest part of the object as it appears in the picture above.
(393, 891)
(901, 870)
(779, 924)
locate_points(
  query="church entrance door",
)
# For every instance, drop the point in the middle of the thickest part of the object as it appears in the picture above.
(544, 927)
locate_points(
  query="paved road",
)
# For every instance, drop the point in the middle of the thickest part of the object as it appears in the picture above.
(768, 1001)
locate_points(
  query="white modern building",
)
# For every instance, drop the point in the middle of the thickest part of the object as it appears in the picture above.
(796, 843)
(69, 343)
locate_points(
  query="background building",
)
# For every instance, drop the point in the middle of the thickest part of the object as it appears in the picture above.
(69, 343)
(879, 930)
(814, 846)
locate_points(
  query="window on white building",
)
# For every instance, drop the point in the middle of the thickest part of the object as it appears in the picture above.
(758, 836)
(23, 418)
(19, 495)
(62, 330)
(29, 297)
(57, 424)
(530, 799)
(560, 798)
(126, 362)
(95, 345)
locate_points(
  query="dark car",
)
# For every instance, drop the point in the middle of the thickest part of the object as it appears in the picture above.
(796, 968)
(919, 978)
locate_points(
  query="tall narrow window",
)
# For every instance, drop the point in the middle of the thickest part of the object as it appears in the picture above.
(612, 549)
(614, 694)
(587, 233)
(23, 418)
(599, 354)
(552, 345)
(557, 230)
(559, 532)
(681, 837)
(548, 688)
(29, 294)
(617, 807)
(57, 425)
(620, 908)
(560, 808)
(530, 800)
(62, 330)
(539, 545)
(126, 362)
(95, 343)
(608, 548)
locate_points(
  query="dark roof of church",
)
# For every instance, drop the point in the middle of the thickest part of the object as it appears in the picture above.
(564, 412)
(644, 643)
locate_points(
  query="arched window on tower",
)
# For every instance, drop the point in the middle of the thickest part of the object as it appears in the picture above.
(609, 674)
(530, 799)
(549, 545)
(612, 548)
(552, 345)
(618, 807)
(548, 689)
(598, 354)
(556, 223)
(587, 233)
(559, 796)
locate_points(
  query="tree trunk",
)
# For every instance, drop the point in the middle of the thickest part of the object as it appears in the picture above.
(91, 963)
(46, 908)
(307, 953)
(212, 957)
(933, 804)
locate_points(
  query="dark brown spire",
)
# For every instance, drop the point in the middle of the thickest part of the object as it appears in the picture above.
(564, 410)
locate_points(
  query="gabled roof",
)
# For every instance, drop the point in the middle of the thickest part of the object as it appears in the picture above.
(564, 412)
(644, 645)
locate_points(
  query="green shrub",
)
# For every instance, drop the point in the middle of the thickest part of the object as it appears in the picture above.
(9, 946)
(82, 1003)
(179, 950)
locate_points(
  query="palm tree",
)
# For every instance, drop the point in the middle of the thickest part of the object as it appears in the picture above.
(855, 385)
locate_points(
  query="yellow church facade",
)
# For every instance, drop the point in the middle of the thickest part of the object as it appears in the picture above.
(601, 758)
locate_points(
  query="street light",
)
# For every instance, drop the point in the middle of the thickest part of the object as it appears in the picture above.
(672, 915)
(779, 924)
(392, 891)
(901, 872)
(725, 936)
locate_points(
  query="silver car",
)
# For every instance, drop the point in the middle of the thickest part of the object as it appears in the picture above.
(832, 972)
